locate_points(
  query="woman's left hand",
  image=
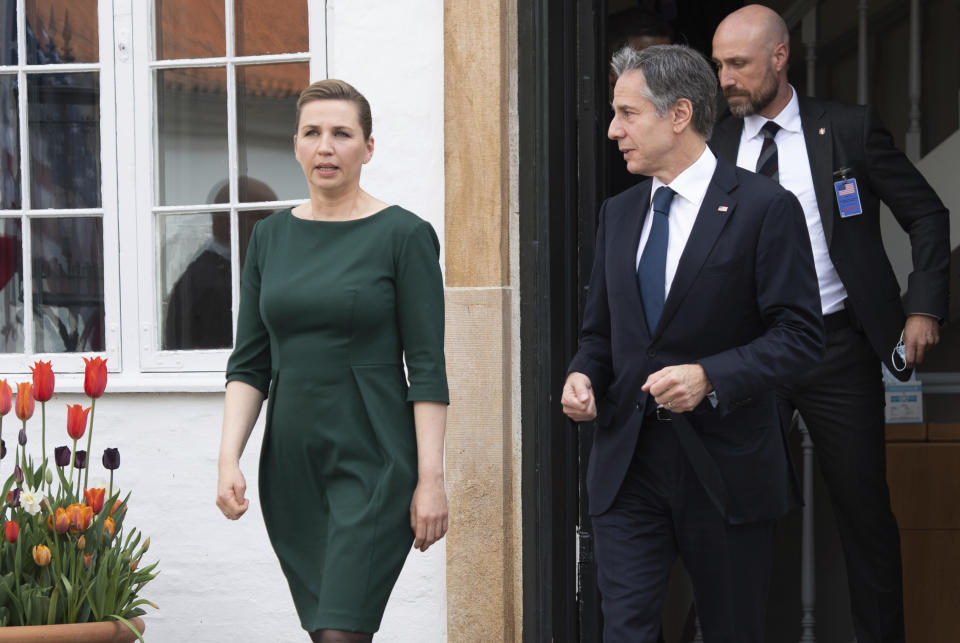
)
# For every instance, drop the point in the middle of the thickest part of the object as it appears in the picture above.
(428, 513)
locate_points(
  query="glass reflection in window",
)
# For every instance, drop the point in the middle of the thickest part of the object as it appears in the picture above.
(8, 32)
(278, 27)
(195, 275)
(190, 29)
(266, 110)
(9, 144)
(64, 131)
(11, 287)
(68, 309)
(62, 31)
(192, 134)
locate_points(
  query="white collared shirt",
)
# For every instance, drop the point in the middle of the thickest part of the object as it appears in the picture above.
(794, 171)
(690, 187)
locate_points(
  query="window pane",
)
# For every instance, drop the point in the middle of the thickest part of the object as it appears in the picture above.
(64, 126)
(195, 274)
(278, 27)
(266, 110)
(190, 29)
(11, 287)
(68, 284)
(9, 144)
(8, 32)
(192, 131)
(62, 31)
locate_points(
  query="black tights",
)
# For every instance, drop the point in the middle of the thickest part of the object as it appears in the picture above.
(340, 636)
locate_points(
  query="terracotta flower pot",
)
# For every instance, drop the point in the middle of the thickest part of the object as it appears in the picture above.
(103, 632)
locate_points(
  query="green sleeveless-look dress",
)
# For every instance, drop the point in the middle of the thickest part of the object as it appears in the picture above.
(328, 310)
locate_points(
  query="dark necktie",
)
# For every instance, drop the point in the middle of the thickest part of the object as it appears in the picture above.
(652, 269)
(767, 164)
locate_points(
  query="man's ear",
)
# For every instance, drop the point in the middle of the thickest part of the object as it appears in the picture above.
(682, 113)
(781, 56)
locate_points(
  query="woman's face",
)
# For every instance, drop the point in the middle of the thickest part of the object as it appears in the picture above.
(329, 144)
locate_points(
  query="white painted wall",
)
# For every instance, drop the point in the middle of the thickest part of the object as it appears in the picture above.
(219, 580)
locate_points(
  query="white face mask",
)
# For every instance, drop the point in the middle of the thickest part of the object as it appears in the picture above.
(898, 357)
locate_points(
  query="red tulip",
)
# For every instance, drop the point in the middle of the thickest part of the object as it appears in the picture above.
(76, 420)
(95, 376)
(6, 398)
(42, 381)
(25, 403)
(94, 498)
(11, 531)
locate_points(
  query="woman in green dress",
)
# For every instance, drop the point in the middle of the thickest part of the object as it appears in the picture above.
(337, 294)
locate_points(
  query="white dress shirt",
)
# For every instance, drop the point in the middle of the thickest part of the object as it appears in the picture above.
(690, 187)
(794, 169)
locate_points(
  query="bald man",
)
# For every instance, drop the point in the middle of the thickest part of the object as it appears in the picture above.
(841, 163)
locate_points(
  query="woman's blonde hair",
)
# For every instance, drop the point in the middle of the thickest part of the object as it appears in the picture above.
(334, 89)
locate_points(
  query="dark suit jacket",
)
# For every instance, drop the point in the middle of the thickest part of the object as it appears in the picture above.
(743, 303)
(853, 137)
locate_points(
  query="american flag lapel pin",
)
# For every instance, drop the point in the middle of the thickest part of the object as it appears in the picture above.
(722, 208)
(823, 130)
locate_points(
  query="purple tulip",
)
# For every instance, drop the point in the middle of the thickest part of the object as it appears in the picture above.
(22, 438)
(13, 497)
(62, 456)
(111, 459)
(18, 474)
(80, 459)
(3, 449)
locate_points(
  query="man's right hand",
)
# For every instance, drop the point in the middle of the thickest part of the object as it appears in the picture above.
(577, 399)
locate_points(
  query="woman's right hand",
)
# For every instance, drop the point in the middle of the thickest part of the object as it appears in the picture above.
(231, 487)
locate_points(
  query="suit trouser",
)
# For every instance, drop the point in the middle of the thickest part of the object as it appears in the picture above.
(841, 401)
(660, 512)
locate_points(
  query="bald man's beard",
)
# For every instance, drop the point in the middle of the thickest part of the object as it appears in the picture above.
(756, 101)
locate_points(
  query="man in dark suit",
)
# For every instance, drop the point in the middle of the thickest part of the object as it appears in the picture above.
(840, 162)
(702, 299)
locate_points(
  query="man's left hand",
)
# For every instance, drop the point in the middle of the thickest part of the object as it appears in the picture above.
(678, 388)
(920, 334)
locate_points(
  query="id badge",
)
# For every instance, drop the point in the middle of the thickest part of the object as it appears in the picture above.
(848, 198)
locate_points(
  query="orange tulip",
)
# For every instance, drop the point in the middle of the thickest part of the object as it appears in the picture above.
(108, 527)
(42, 381)
(118, 504)
(61, 520)
(6, 398)
(25, 403)
(80, 516)
(76, 420)
(94, 498)
(133, 564)
(86, 561)
(81, 542)
(94, 376)
(11, 531)
(41, 555)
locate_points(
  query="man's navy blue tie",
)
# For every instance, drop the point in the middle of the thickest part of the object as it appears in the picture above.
(652, 270)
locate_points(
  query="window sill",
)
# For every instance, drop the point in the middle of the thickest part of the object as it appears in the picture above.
(209, 382)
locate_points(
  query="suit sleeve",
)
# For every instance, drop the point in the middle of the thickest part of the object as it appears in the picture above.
(250, 360)
(594, 355)
(919, 211)
(788, 300)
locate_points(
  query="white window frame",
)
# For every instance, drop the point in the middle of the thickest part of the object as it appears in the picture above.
(16, 364)
(128, 159)
(145, 336)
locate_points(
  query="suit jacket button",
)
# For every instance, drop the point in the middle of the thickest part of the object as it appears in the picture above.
(652, 352)
(639, 406)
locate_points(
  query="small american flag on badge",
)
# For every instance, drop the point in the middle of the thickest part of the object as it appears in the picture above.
(823, 130)
(849, 187)
(722, 208)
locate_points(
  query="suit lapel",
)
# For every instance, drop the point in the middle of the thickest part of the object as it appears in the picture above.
(818, 135)
(715, 211)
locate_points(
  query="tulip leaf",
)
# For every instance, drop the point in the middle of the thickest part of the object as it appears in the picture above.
(130, 625)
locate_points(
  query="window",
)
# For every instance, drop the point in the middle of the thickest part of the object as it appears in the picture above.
(139, 143)
(56, 179)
